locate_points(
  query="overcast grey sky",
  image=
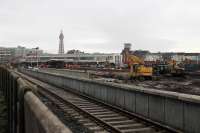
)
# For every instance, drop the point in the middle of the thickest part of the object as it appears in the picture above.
(101, 25)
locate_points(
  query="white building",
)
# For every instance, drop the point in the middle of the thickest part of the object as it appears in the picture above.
(179, 57)
(153, 57)
(5, 54)
(114, 58)
(20, 53)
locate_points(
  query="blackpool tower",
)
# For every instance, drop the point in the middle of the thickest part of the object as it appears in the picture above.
(61, 43)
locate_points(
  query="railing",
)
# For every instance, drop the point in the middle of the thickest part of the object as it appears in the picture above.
(26, 113)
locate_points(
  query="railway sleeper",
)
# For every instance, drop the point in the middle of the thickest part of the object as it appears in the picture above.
(82, 102)
(88, 106)
(130, 126)
(102, 113)
(96, 128)
(107, 115)
(68, 110)
(122, 122)
(101, 131)
(140, 130)
(93, 108)
(89, 124)
(84, 121)
(76, 99)
(75, 114)
(114, 119)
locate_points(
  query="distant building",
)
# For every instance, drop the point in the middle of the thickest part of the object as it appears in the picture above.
(194, 58)
(153, 57)
(5, 55)
(73, 51)
(61, 43)
(113, 58)
(20, 51)
(17, 54)
(167, 56)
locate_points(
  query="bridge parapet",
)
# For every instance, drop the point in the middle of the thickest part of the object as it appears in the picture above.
(26, 113)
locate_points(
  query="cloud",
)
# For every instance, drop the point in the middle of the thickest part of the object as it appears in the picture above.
(101, 25)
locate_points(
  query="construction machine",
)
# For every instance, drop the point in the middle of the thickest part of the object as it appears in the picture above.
(137, 68)
(169, 67)
(175, 69)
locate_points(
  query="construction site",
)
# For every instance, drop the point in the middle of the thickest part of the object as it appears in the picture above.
(162, 72)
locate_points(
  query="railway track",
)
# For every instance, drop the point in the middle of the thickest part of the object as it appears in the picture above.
(94, 115)
(67, 110)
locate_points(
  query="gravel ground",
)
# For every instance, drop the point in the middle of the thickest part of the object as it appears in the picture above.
(3, 115)
(187, 85)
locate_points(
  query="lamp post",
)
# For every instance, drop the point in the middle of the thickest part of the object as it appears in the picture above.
(37, 55)
(31, 60)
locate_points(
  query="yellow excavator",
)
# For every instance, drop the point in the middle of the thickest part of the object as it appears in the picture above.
(137, 68)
